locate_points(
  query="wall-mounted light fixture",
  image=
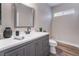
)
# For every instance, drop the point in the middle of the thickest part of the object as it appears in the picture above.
(66, 12)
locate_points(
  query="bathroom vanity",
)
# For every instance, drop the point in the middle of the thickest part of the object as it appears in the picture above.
(33, 44)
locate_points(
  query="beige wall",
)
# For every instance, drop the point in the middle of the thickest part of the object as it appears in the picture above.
(7, 17)
(66, 28)
(42, 16)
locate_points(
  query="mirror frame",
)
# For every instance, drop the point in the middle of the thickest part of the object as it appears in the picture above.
(1, 14)
(15, 17)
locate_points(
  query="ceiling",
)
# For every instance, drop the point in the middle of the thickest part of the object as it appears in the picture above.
(50, 4)
(53, 4)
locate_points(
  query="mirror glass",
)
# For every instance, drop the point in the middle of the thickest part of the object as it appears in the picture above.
(24, 16)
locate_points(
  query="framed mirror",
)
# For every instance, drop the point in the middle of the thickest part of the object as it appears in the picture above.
(0, 13)
(24, 16)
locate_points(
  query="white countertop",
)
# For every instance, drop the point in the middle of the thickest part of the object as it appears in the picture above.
(11, 42)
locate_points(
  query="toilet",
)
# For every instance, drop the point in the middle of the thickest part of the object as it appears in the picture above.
(53, 45)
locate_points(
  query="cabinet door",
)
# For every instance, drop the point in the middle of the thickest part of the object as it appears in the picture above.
(20, 51)
(16, 52)
(27, 51)
(39, 51)
(45, 45)
(1, 53)
(12, 53)
(30, 49)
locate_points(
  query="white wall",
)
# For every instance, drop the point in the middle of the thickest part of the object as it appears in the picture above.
(42, 16)
(66, 28)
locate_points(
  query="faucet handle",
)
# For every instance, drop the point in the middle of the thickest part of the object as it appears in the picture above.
(28, 30)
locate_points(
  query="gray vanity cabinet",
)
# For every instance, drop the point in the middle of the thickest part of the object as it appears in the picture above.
(34, 48)
(16, 52)
(37, 47)
(11, 53)
(30, 49)
(42, 46)
(27, 51)
(1, 54)
(20, 51)
(45, 46)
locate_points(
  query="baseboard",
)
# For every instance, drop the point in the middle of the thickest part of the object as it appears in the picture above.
(68, 43)
(52, 54)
